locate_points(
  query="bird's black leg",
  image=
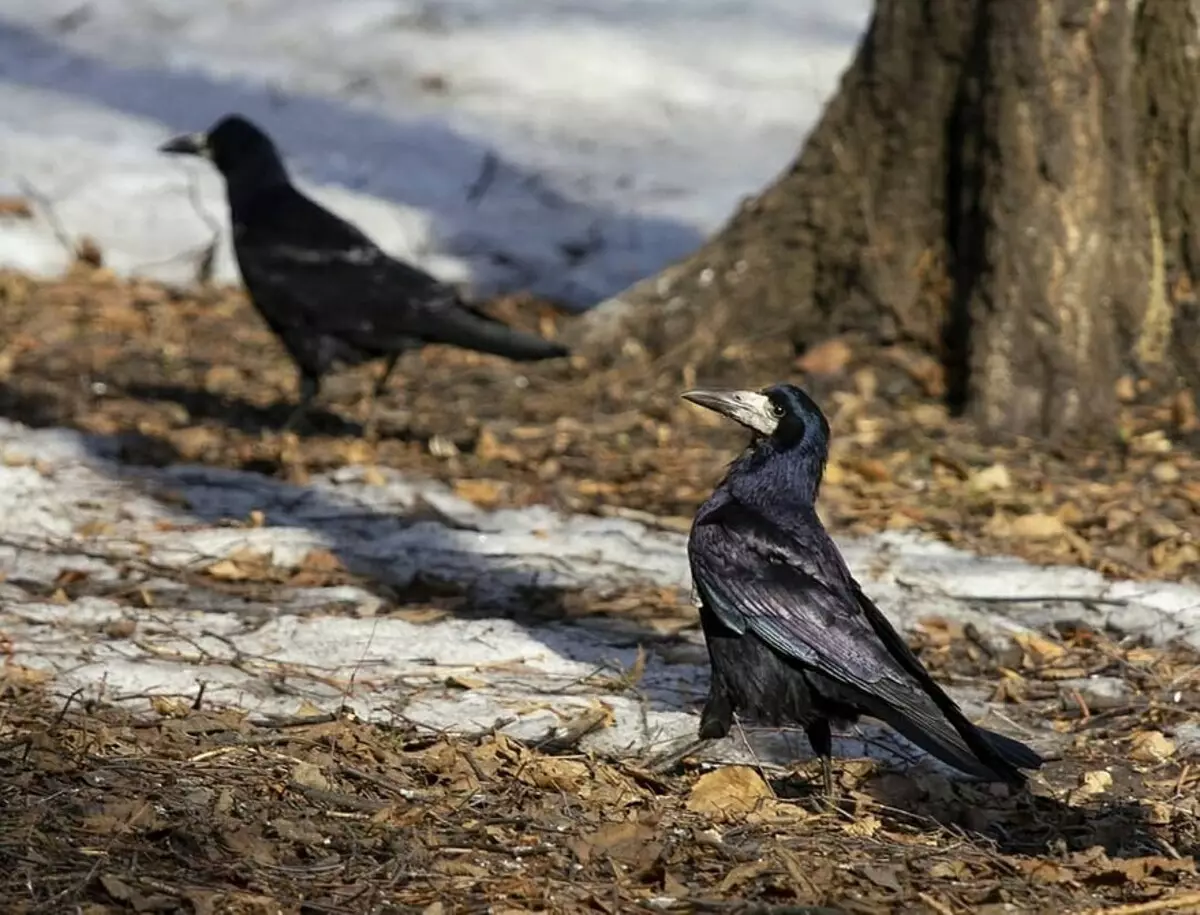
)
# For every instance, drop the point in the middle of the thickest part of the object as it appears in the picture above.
(310, 387)
(388, 368)
(716, 717)
(371, 426)
(821, 739)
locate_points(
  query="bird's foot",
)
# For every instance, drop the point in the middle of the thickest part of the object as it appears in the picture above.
(829, 796)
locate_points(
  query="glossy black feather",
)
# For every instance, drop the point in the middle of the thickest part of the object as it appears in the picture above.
(791, 636)
(327, 291)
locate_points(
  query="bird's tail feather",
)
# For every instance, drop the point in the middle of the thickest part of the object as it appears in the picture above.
(464, 328)
(1012, 751)
(948, 746)
(979, 752)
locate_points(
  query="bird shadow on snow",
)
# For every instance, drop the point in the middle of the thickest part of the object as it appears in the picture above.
(420, 162)
(408, 550)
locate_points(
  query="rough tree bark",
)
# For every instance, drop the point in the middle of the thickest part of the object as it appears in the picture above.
(1004, 184)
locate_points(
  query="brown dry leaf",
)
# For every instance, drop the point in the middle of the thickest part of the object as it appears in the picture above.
(120, 816)
(227, 570)
(457, 867)
(777, 813)
(1168, 557)
(938, 631)
(1043, 870)
(1091, 783)
(321, 561)
(489, 448)
(484, 493)
(1157, 813)
(863, 826)
(87, 251)
(455, 681)
(249, 904)
(310, 776)
(21, 676)
(203, 902)
(240, 565)
(15, 208)
(728, 793)
(1151, 747)
(170, 707)
(632, 843)
(555, 773)
(94, 528)
(421, 616)
(306, 709)
(951, 870)
(1136, 870)
(1040, 647)
(885, 876)
(1125, 389)
(373, 476)
(1036, 527)
(122, 628)
(222, 377)
(826, 358)
(990, 479)
(317, 568)
(579, 723)
(246, 842)
(743, 873)
(121, 891)
(1184, 412)
(597, 488)
(1165, 472)
(1153, 442)
(872, 470)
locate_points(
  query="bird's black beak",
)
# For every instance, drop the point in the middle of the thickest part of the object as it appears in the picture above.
(190, 144)
(750, 408)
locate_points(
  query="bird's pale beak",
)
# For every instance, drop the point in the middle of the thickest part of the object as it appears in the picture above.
(189, 144)
(751, 409)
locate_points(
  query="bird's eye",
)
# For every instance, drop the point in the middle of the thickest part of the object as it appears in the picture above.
(777, 411)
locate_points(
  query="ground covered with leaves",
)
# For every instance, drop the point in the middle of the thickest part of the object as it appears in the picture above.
(190, 809)
(204, 810)
(196, 376)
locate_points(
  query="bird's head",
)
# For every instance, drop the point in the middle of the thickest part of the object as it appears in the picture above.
(784, 420)
(234, 145)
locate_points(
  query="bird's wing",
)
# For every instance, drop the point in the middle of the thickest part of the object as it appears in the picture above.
(312, 269)
(758, 579)
(355, 292)
(363, 296)
(755, 579)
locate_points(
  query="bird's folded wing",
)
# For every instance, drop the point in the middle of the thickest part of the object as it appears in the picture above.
(756, 579)
(356, 292)
(753, 584)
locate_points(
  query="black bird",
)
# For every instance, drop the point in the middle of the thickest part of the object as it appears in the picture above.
(328, 292)
(791, 637)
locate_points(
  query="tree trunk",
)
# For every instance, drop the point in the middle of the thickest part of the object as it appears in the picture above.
(1001, 183)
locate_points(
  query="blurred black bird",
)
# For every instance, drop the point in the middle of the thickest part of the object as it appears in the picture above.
(791, 637)
(327, 291)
